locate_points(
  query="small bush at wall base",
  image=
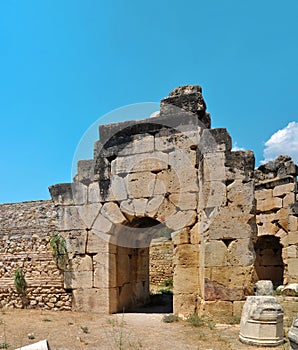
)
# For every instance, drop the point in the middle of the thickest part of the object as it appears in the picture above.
(170, 318)
(168, 282)
(58, 246)
(20, 282)
(195, 320)
(4, 345)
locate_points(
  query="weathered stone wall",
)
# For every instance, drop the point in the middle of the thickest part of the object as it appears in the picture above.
(161, 262)
(276, 246)
(25, 231)
(230, 224)
(171, 171)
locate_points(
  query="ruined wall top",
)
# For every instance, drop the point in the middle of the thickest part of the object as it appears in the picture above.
(283, 166)
(188, 98)
(185, 106)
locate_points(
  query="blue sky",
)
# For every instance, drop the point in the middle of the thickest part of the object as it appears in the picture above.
(65, 63)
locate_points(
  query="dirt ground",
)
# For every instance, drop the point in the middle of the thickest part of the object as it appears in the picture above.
(72, 330)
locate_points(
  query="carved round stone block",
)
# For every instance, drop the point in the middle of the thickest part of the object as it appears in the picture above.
(261, 322)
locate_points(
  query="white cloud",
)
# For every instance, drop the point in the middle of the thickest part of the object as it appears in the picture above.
(284, 141)
(154, 114)
(237, 148)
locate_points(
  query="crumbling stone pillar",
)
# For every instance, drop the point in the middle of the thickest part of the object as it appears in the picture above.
(227, 228)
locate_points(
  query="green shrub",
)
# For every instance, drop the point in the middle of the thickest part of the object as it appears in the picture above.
(20, 282)
(4, 345)
(168, 282)
(170, 318)
(58, 246)
(165, 291)
(195, 320)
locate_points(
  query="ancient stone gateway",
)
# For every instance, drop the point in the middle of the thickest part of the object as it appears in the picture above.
(169, 172)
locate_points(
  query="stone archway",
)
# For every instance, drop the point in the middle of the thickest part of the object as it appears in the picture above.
(131, 269)
(269, 263)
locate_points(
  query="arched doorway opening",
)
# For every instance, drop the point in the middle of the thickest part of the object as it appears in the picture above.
(269, 264)
(132, 261)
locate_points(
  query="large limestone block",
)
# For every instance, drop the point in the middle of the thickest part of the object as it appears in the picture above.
(180, 219)
(78, 279)
(88, 213)
(215, 253)
(241, 252)
(292, 237)
(85, 172)
(94, 193)
(293, 223)
(96, 243)
(261, 322)
(212, 194)
(102, 224)
(70, 219)
(280, 191)
(165, 211)
(105, 270)
(69, 193)
(291, 251)
(220, 309)
(215, 140)
(184, 201)
(127, 208)
(75, 241)
(264, 194)
(214, 167)
(177, 180)
(240, 193)
(79, 273)
(228, 282)
(93, 299)
(118, 190)
(186, 255)
(183, 141)
(273, 203)
(112, 212)
(155, 161)
(232, 222)
(186, 280)
(240, 165)
(237, 307)
(180, 159)
(185, 305)
(267, 228)
(81, 263)
(195, 236)
(140, 205)
(293, 266)
(141, 143)
(283, 218)
(181, 236)
(154, 204)
(140, 184)
(288, 199)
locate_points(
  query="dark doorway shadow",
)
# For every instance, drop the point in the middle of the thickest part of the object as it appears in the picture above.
(158, 304)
